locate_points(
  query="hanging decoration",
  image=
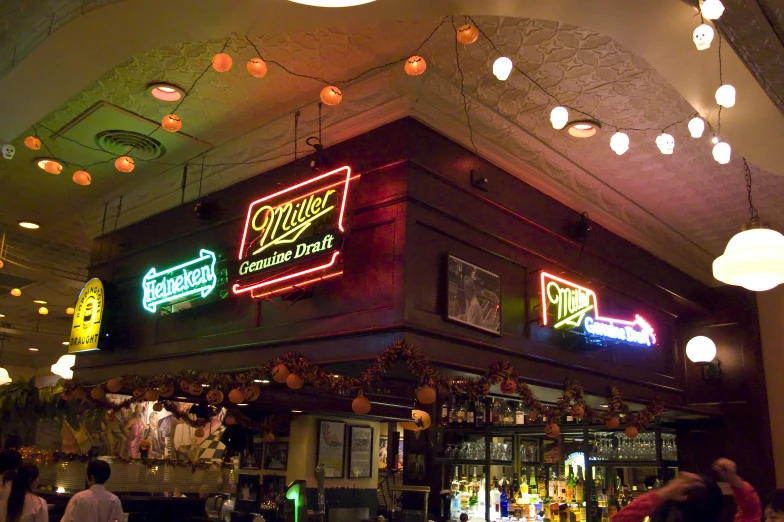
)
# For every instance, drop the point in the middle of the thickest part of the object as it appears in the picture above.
(124, 164)
(666, 143)
(725, 96)
(712, 9)
(696, 127)
(32, 143)
(171, 123)
(222, 62)
(703, 36)
(415, 66)
(331, 95)
(53, 167)
(502, 68)
(360, 405)
(467, 34)
(619, 142)
(256, 67)
(82, 177)
(16, 292)
(559, 117)
(426, 394)
(722, 152)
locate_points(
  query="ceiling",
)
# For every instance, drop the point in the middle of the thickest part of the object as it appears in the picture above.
(682, 208)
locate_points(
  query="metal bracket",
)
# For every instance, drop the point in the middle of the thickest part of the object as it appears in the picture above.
(478, 182)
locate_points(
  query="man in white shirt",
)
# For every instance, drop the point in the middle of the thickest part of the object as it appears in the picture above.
(95, 504)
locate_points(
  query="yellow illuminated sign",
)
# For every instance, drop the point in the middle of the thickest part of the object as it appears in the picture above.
(86, 328)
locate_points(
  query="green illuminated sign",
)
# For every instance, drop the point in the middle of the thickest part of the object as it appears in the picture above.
(196, 276)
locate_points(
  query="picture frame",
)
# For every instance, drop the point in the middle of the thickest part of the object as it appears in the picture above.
(251, 456)
(248, 487)
(276, 456)
(383, 448)
(473, 296)
(331, 448)
(360, 456)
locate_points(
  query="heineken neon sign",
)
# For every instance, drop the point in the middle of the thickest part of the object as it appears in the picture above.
(294, 237)
(569, 306)
(193, 277)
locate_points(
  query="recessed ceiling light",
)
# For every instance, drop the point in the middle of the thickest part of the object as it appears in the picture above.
(584, 128)
(332, 3)
(262, 381)
(43, 310)
(604, 405)
(39, 301)
(33, 349)
(70, 310)
(66, 343)
(16, 292)
(165, 91)
(242, 404)
(296, 411)
(30, 225)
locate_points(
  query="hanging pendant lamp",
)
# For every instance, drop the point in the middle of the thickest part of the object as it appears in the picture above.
(4, 377)
(754, 258)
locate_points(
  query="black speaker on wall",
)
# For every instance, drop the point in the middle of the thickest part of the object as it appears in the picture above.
(393, 451)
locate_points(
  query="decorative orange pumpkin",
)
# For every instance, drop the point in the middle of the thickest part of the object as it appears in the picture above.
(613, 422)
(229, 420)
(185, 385)
(124, 164)
(467, 34)
(331, 95)
(631, 432)
(151, 395)
(32, 143)
(53, 167)
(256, 67)
(138, 393)
(280, 373)
(97, 393)
(79, 393)
(269, 436)
(552, 430)
(426, 394)
(157, 406)
(508, 386)
(420, 420)
(222, 62)
(82, 177)
(166, 390)
(214, 396)
(294, 381)
(415, 66)
(199, 433)
(252, 392)
(577, 411)
(171, 123)
(195, 389)
(236, 396)
(360, 405)
(67, 395)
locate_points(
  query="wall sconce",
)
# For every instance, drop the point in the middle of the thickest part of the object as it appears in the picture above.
(701, 351)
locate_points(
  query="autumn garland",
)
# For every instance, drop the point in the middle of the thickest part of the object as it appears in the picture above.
(296, 371)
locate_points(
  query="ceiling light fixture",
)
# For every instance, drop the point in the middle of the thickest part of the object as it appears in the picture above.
(30, 225)
(584, 128)
(70, 310)
(40, 301)
(50, 165)
(332, 3)
(722, 153)
(2, 315)
(165, 92)
(43, 310)
(63, 366)
(712, 9)
(292, 411)
(725, 96)
(754, 258)
(16, 292)
(33, 349)
(4, 377)
(66, 343)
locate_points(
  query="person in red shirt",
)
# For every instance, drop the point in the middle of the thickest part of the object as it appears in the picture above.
(695, 498)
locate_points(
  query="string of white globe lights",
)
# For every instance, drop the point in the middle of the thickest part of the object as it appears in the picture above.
(415, 65)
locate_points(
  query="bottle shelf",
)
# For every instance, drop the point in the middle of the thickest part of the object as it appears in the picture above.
(631, 463)
(470, 462)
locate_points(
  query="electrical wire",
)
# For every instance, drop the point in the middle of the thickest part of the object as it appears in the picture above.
(462, 90)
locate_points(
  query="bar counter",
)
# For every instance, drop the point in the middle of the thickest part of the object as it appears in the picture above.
(141, 507)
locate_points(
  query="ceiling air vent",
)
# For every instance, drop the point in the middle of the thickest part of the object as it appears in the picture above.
(120, 142)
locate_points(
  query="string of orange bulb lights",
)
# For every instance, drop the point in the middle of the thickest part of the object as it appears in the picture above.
(414, 65)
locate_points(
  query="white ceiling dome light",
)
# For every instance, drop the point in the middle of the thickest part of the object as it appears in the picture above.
(559, 117)
(703, 36)
(63, 366)
(712, 9)
(701, 349)
(502, 68)
(4, 377)
(332, 3)
(753, 259)
(619, 143)
(696, 127)
(725, 96)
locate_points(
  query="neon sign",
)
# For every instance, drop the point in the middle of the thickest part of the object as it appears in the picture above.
(570, 306)
(88, 314)
(294, 237)
(196, 276)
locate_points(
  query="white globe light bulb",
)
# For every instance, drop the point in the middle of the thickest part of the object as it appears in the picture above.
(666, 143)
(63, 366)
(502, 68)
(619, 143)
(712, 9)
(722, 152)
(703, 36)
(701, 349)
(559, 117)
(4, 377)
(753, 259)
(696, 127)
(725, 96)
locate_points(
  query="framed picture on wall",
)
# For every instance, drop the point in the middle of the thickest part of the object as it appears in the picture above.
(276, 455)
(331, 448)
(383, 448)
(473, 296)
(250, 458)
(248, 487)
(360, 455)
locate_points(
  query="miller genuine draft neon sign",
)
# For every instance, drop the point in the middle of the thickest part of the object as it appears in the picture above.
(194, 277)
(294, 237)
(569, 306)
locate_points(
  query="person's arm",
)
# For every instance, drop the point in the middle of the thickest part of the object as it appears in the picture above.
(43, 511)
(68, 516)
(117, 511)
(749, 507)
(644, 505)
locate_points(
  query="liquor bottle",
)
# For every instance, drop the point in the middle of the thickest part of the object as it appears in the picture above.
(519, 414)
(570, 484)
(504, 503)
(461, 414)
(515, 486)
(473, 503)
(454, 505)
(612, 503)
(579, 488)
(481, 494)
(480, 417)
(508, 419)
(471, 414)
(445, 413)
(495, 498)
(524, 481)
(541, 483)
(495, 413)
(453, 413)
(533, 488)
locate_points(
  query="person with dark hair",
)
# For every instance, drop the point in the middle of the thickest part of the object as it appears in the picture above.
(94, 504)
(9, 461)
(774, 508)
(22, 505)
(695, 498)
